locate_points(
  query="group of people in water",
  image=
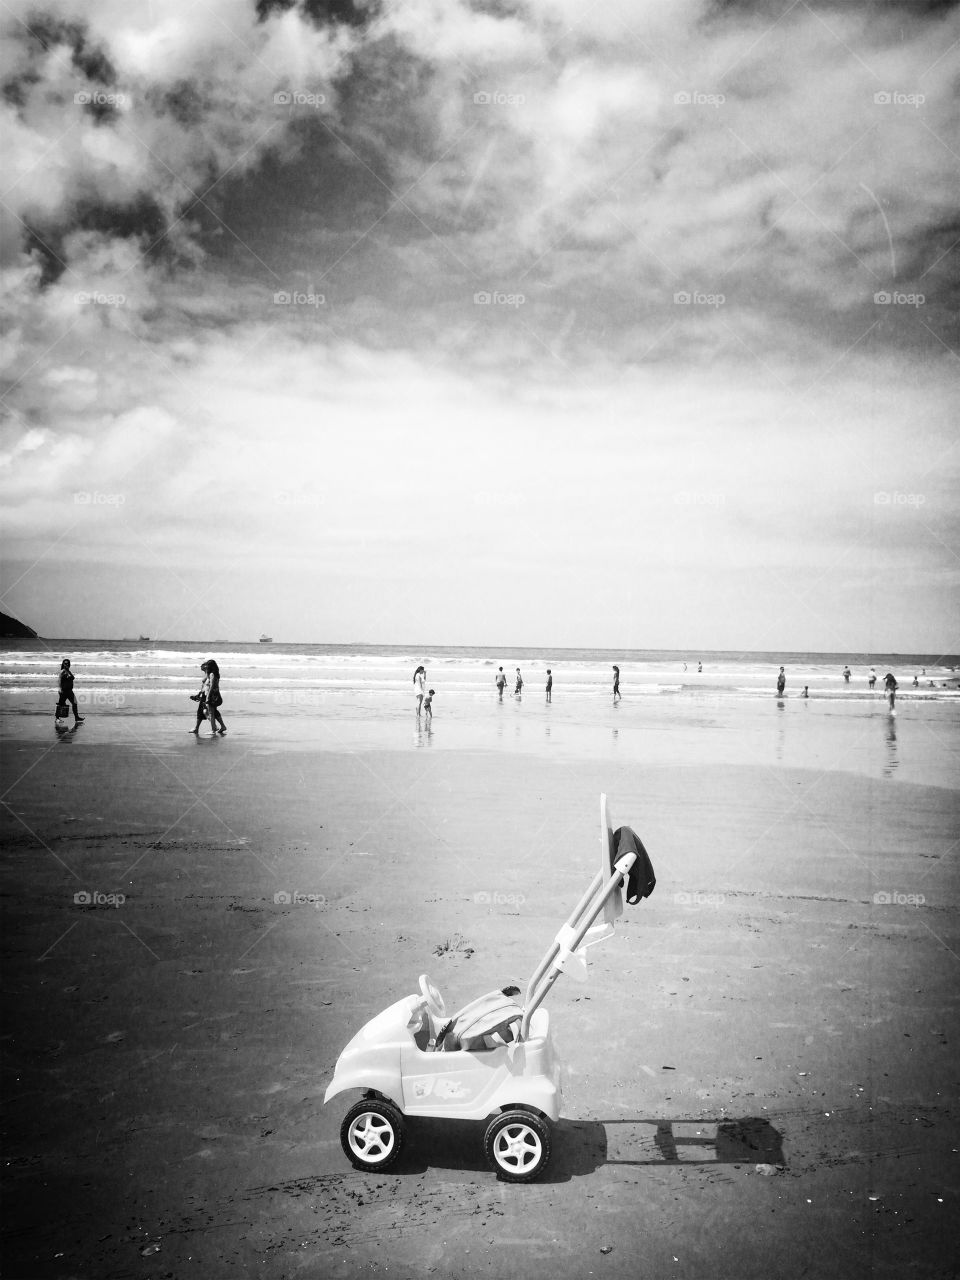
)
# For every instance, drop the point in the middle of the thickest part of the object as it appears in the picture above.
(889, 683)
(501, 683)
(424, 699)
(420, 676)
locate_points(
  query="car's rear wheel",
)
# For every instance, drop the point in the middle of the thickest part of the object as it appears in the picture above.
(517, 1145)
(372, 1134)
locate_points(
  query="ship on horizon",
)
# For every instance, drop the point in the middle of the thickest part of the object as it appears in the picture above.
(265, 639)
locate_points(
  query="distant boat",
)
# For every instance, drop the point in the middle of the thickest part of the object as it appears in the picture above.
(144, 639)
(266, 639)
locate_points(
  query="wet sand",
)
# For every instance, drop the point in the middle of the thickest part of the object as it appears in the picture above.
(760, 1077)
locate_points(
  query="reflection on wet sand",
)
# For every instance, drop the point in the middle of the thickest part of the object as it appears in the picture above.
(893, 758)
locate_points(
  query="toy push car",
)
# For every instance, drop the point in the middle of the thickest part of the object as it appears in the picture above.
(494, 1058)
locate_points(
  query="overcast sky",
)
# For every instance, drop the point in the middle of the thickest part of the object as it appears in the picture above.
(546, 322)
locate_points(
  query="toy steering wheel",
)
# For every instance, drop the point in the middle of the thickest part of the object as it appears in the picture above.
(433, 997)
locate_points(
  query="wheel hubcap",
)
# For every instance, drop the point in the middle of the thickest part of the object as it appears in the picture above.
(371, 1137)
(517, 1148)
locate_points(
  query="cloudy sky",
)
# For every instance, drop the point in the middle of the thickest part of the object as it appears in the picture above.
(547, 322)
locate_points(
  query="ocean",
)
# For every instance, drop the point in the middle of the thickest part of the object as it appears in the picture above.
(361, 697)
(291, 678)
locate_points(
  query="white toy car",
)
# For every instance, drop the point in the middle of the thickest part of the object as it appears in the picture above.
(494, 1058)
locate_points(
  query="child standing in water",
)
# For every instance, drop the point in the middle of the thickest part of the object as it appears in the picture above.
(501, 682)
(890, 684)
(781, 683)
(616, 683)
(428, 705)
(549, 686)
(518, 687)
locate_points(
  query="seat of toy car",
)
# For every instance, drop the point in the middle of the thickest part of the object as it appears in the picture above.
(484, 1023)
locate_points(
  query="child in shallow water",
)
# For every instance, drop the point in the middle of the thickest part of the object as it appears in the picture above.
(428, 705)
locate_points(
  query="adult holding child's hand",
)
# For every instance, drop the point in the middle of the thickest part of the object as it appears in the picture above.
(208, 700)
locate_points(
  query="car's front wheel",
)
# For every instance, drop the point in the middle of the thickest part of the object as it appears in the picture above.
(372, 1134)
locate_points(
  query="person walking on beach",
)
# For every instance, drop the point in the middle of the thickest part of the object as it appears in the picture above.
(428, 705)
(846, 675)
(616, 683)
(501, 682)
(549, 685)
(699, 667)
(872, 678)
(214, 700)
(66, 697)
(419, 686)
(208, 700)
(781, 683)
(891, 686)
(518, 687)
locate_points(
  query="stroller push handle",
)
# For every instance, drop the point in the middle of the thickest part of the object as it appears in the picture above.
(568, 940)
(603, 895)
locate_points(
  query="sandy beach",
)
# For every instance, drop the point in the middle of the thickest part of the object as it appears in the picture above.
(760, 1076)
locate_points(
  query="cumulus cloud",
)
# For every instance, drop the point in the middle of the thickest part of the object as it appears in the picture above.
(468, 231)
(120, 118)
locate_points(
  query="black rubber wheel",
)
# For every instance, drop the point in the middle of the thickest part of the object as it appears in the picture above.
(517, 1145)
(372, 1134)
